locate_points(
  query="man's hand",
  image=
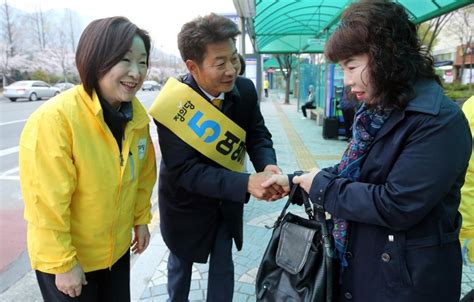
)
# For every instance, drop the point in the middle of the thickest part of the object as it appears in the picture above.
(305, 180)
(272, 169)
(255, 187)
(70, 283)
(141, 238)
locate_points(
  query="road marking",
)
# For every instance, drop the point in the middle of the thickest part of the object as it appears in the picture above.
(12, 122)
(303, 156)
(7, 175)
(9, 151)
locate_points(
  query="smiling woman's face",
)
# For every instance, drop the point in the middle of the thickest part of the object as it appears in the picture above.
(356, 75)
(121, 83)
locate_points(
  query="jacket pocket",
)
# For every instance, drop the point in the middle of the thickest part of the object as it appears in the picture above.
(393, 261)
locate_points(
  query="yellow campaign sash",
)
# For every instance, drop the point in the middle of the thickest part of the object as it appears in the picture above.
(199, 124)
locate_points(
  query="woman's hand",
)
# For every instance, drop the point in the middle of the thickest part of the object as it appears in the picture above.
(70, 283)
(305, 180)
(141, 239)
(278, 181)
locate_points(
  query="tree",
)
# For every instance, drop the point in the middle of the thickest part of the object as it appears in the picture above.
(429, 31)
(71, 21)
(286, 64)
(40, 75)
(41, 27)
(8, 28)
(7, 48)
(462, 28)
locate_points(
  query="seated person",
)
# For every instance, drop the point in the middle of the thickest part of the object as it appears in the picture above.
(309, 102)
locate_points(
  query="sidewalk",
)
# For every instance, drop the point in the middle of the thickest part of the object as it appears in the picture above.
(299, 145)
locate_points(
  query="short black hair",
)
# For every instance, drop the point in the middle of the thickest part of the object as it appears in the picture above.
(103, 44)
(198, 33)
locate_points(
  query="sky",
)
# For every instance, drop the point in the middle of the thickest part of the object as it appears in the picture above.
(161, 18)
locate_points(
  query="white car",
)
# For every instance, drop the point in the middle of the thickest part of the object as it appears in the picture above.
(150, 85)
(31, 90)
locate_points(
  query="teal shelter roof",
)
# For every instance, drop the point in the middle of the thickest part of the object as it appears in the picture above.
(302, 26)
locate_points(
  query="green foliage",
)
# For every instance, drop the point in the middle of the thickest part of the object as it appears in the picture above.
(17, 75)
(455, 86)
(40, 75)
(458, 91)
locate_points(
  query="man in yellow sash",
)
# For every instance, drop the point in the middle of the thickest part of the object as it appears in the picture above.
(202, 183)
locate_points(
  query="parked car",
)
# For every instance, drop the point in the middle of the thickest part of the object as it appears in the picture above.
(31, 90)
(64, 86)
(150, 85)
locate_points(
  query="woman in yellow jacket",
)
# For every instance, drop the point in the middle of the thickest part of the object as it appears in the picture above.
(467, 193)
(87, 170)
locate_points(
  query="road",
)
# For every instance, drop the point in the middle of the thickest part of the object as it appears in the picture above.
(14, 262)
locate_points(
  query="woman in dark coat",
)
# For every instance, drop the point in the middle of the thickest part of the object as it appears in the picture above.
(394, 196)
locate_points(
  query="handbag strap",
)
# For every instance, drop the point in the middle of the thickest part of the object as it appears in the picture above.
(283, 211)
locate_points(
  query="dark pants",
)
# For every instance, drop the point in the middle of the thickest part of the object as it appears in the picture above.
(103, 285)
(266, 92)
(307, 106)
(469, 297)
(348, 115)
(220, 283)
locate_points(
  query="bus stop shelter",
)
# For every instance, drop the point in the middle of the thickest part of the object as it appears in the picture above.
(277, 27)
(302, 26)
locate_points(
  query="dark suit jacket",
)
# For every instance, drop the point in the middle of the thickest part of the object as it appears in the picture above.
(409, 189)
(195, 193)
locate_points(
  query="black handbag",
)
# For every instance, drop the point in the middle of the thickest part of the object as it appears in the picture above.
(298, 262)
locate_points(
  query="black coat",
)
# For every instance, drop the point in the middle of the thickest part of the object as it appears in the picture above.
(195, 193)
(408, 191)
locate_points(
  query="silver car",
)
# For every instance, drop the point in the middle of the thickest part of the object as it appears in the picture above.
(31, 90)
(63, 86)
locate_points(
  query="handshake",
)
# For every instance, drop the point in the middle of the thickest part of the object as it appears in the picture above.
(272, 185)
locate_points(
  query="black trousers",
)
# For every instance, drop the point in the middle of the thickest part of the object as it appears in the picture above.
(220, 283)
(103, 285)
(308, 105)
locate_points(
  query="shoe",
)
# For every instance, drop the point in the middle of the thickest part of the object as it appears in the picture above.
(303, 118)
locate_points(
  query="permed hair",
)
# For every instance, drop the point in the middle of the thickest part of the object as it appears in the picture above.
(383, 30)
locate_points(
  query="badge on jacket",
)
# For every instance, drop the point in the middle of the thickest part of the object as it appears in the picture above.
(141, 148)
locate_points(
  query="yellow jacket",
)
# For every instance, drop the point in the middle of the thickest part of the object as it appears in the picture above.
(467, 191)
(82, 197)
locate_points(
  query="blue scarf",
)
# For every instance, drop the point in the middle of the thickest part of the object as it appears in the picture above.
(366, 125)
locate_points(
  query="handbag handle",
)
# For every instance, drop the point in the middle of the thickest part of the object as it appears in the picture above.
(308, 205)
(321, 216)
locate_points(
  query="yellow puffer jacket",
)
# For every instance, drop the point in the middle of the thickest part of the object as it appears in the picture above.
(467, 191)
(82, 197)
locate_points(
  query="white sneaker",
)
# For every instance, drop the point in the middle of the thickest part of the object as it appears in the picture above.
(303, 118)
